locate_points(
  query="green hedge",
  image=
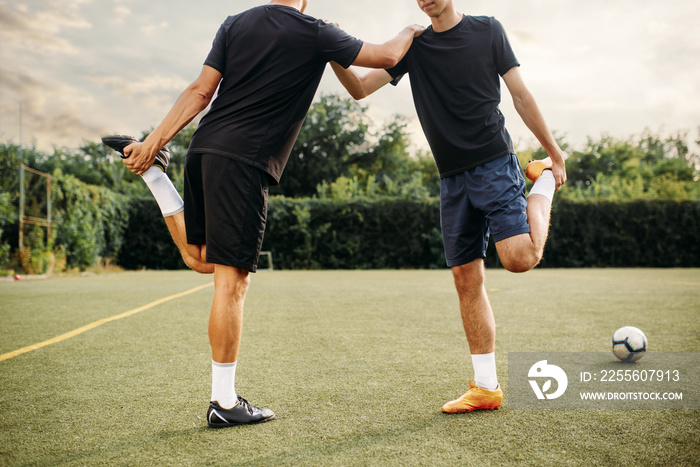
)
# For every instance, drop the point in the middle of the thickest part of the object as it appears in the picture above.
(148, 243)
(405, 234)
(391, 233)
(629, 234)
(363, 234)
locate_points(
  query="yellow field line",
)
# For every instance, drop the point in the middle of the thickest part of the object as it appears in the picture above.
(95, 324)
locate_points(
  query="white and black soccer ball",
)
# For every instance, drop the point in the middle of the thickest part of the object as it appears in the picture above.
(629, 344)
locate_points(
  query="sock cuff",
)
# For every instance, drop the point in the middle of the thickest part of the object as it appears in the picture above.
(177, 210)
(545, 186)
(223, 365)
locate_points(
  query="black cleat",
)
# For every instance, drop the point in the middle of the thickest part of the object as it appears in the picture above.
(240, 414)
(119, 142)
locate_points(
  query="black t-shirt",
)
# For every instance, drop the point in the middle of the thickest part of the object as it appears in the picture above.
(456, 90)
(272, 58)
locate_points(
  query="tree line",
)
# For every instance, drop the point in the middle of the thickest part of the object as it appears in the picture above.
(340, 156)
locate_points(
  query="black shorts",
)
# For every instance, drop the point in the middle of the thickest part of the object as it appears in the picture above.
(225, 209)
(487, 199)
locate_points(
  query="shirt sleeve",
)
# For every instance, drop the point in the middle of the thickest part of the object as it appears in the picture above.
(503, 54)
(217, 55)
(336, 45)
(398, 71)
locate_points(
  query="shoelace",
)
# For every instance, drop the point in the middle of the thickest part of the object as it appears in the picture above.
(246, 405)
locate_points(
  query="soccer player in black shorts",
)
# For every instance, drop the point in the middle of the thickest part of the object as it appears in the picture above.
(454, 68)
(267, 63)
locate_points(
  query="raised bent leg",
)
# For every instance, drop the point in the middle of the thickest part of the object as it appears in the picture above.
(523, 252)
(194, 256)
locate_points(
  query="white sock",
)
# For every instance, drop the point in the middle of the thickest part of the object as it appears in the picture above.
(485, 370)
(223, 384)
(545, 185)
(167, 197)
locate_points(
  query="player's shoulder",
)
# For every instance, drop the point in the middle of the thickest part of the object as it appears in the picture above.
(481, 22)
(280, 11)
(484, 25)
(272, 17)
(290, 12)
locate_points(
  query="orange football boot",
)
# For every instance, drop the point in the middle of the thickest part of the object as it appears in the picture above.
(534, 169)
(475, 399)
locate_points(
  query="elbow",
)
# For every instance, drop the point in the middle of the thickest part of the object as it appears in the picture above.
(386, 58)
(520, 106)
(356, 89)
(358, 94)
(201, 98)
(205, 98)
(523, 100)
(201, 93)
(390, 60)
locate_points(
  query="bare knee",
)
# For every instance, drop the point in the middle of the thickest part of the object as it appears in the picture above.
(198, 266)
(195, 257)
(231, 281)
(519, 253)
(469, 278)
(521, 262)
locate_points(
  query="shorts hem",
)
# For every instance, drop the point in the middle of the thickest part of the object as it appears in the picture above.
(233, 263)
(511, 233)
(196, 241)
(451, 263)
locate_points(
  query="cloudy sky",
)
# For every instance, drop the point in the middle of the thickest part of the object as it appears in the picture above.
(82, 68)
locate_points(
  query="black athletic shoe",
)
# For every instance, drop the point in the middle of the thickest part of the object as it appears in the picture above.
(119, 142)
(240, 414)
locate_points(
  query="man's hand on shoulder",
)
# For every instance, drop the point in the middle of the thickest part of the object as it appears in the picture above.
(417, 29)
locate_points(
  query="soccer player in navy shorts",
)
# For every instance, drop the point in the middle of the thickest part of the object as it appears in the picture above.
(454, 67)
(267, 63)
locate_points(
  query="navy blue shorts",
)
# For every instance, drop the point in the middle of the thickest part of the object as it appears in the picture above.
(487, 199)
(225, 209)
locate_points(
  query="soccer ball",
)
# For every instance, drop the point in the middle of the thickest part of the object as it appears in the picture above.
(629, 344)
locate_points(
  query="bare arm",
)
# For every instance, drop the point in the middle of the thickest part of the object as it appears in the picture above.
(358, 86)
(195, 98)
(389, 54)
(528, 110)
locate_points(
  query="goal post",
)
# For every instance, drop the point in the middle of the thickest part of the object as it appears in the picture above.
(35, 191)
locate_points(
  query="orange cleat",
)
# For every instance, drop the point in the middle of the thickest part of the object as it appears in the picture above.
(534, 169)
(475, 399)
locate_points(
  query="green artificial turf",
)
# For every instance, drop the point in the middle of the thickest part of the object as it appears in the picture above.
(356, 364)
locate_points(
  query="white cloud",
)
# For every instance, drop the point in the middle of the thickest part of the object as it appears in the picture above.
(38, 31)
(151, 29)
(49, 108)
(126, 86)
(121, 13)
